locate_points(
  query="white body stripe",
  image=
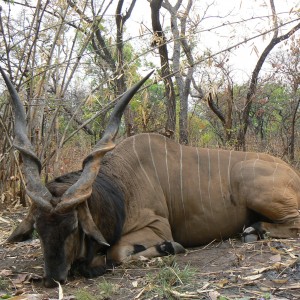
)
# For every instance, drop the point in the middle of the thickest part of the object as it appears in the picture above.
(241, 168)
(220, 181)
(228, 170)
(254, 164)
(181, 190)
(141, 165)
(273, 178)
(152, 158)
(171, 198)
(199, 181)
(209, 183)
(200, 192)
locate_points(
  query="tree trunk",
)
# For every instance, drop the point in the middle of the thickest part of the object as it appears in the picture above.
(120, 72)
(182, 84)
(291, 147)
(241, 140)
(159, 40)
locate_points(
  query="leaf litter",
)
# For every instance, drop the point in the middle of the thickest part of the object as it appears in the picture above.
(263, 270)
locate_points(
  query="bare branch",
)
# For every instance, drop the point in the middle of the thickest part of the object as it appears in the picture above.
(212, 105)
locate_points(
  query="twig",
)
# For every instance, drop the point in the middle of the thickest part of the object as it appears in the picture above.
(203, 248)
(178, 295)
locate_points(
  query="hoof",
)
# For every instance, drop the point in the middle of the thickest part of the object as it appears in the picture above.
(167, 248)
(250, 238)
(178, 248)
(250, 235)
(84, 269)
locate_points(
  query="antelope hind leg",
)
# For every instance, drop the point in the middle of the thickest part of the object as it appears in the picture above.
(282, 211)
(289, 229)
(272, 190)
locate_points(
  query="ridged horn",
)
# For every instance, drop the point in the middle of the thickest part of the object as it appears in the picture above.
(31, 164)
(82, 189)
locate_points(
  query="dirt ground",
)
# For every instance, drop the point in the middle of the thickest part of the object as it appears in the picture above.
(261, 270)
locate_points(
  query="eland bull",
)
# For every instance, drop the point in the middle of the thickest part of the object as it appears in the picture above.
(149, 196)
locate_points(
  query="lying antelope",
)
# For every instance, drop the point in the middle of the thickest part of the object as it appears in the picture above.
(149, 196)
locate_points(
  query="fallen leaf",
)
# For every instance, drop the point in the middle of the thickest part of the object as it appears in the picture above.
(204, 287)
(186, 295)
(222, 283)
(274, 250)
(204, 291)
(293, 286)
(261, 270)
(214, 295)
(5, 272)
(275, 266)
(252, 277)
(265, 288)
(275, 258)
(20, 278)
(281, 280)
(28, 297)
(25, 277)
(134, 283)
(19, 292)
(143, 258)
(4, 220)
(223, 298)
(60, 291)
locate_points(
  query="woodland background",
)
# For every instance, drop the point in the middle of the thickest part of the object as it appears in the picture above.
(71, 60)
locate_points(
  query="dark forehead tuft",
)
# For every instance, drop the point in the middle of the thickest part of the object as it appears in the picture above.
(56, 219)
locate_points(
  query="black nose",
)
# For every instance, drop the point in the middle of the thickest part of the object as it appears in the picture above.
(51, 283)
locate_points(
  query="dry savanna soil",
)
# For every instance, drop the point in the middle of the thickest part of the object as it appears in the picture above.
(267, 269)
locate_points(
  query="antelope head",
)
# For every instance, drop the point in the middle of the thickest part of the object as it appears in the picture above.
(57, 219)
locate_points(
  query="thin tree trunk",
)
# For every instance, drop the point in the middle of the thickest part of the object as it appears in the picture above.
(120, 72)
(160, 42)
(291, 147)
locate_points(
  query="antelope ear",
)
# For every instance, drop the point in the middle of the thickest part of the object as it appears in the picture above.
(88, 225)
(24, 230)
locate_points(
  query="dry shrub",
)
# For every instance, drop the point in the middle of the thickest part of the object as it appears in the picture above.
(70, 157)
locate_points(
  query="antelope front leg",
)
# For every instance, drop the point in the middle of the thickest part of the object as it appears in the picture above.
(92, 263)
(143, 242)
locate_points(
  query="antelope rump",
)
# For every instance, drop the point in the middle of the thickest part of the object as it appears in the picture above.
(149, 196)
